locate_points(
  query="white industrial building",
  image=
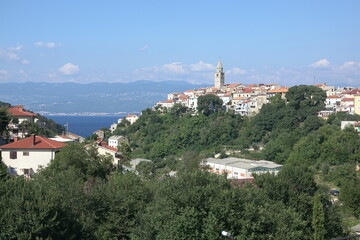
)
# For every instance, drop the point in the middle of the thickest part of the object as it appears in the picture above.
(238, 168)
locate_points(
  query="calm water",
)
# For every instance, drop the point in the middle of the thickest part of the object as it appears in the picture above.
(85, 125)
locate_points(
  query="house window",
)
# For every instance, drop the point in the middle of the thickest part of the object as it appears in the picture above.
(25, 153)
(13, 155)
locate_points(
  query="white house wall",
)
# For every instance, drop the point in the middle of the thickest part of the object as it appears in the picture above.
(35, 160)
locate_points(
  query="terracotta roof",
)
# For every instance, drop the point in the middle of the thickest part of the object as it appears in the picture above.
(233, 85)
(238, 98)
(167, 101)
(247, 101)
(104, 145)
(347, 99)
(280, 90)
(334, 96)
(247, 90)
(110, 148)
(34, 142)
(19, 111)
(189, 91)
(128, 116)
(252, 85)
(184, 97)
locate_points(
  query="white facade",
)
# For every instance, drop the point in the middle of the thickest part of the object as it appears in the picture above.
(27, 161)
(113, 127)
(115, 141)
(132, 118)
(238, 168)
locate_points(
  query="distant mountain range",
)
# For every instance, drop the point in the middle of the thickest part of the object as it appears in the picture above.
(92, 97)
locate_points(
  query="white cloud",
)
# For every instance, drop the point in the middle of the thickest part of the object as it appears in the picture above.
(9, 55)
(202, 66)
(350, 65)
(175, 67)
(323, 63)
(17, 48)
(69, 69)
(25, 62)
(236, 71)
(144, 47)
(47, 45)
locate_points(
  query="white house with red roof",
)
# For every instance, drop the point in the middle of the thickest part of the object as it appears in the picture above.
(19, 112)
(347, 105)
(166, 104)
(132, 118)
(104, 149)
(26, 156)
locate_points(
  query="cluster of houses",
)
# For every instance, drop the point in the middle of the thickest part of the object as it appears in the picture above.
(25, 154)
(346, 99)
(247, 100)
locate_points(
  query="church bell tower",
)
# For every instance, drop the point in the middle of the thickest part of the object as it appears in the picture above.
(219, 76)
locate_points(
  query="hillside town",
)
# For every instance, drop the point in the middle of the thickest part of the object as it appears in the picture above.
(243, 100)
(247, 100)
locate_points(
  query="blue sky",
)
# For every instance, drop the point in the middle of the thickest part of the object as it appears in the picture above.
(286, 42)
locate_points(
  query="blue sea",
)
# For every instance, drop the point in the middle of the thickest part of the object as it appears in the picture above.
(85, 125)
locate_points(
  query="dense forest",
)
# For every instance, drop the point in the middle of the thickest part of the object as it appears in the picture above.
(81, 195)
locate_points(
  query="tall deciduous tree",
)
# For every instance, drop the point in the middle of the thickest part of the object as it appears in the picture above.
(209, 103)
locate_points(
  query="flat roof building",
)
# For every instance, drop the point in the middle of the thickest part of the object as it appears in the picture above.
(239, 168)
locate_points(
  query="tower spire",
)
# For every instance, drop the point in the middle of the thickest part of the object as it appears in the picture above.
(219, 76)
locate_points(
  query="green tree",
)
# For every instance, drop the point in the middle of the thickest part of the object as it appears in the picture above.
(318, 218)
(86, 161)
(308, 99)
(209, 103)
(4, 120)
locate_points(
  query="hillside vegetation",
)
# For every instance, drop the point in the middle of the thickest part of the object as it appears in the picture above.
(82, 196)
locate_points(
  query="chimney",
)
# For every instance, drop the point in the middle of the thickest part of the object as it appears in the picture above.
(16, 139)
(33, 139)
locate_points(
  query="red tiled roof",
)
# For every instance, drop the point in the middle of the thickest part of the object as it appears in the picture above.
(238, 98)
(334, 96)
(184, 97)
(347, 100)
(110, 148)
(167, 101)
(128, 116)
(189, 91)
(233, 85)
(34, 142)
(252, 85)
(247, 101)
(19, 111)
(281, 90)
(247, 90)
(104, 145)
